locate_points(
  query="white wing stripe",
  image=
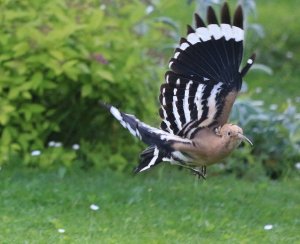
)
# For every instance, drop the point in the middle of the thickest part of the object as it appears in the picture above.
(197, 100)
(227, 31)
(116, 113)
(203, 33)
(152, 162)
(165, 120)
(180, 156)
(238, 33)
(184, 46)
(215, 31)
(186, 101)
(176, 55)
(193, 38)
(167, 78)
(211, 103)
(175, 110)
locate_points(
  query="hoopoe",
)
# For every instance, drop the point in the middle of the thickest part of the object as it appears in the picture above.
(200, 88)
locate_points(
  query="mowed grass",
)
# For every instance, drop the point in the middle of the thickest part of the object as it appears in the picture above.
(164, 206)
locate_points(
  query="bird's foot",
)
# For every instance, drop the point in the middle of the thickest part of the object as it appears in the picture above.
(200, 172)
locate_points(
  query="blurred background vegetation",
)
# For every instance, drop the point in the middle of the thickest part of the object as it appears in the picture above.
(59, 58)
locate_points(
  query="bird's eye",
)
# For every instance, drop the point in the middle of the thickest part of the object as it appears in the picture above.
(229, 133)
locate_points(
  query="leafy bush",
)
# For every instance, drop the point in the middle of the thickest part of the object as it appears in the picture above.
(58, 59)
(275, 134)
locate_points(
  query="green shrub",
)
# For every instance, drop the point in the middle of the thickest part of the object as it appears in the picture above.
(58, 59)
(275, 133)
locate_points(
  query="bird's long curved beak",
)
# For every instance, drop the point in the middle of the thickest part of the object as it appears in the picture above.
(244, 138)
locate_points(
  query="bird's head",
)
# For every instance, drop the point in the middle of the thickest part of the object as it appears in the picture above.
(232, 134)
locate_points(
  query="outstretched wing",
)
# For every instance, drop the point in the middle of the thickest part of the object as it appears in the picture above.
(204, 76)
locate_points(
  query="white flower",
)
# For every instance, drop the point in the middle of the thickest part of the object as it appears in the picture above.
(94, 207)
(273, 106)
(54, 144)
(268, 227)
(258, 89)
(61, 230)
(57, 144)
(258, 103)
(149, 9)
(75, 147)
(36, 153)
(289, 55)
(102, 6)
(297, 165)
(221, 166)
(51, 143)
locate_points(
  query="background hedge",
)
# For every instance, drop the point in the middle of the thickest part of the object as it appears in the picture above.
(58, 59)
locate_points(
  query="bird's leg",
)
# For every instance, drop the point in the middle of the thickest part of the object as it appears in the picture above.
(196, 171)
(199, 173)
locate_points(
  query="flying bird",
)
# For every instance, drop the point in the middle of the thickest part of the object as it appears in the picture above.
(200, 87)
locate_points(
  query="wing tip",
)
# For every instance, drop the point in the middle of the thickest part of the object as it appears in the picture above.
(199, 21)
(250, 62)
(190, 30)
(136, 170)
(211, 16)
(225, 14)
(104, 105)
(238, 17)
(253, 56)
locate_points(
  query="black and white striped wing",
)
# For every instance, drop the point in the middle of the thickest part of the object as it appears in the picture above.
(203, 71)
(188, 103)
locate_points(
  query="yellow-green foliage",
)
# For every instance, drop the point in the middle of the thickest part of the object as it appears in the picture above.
(59, 58)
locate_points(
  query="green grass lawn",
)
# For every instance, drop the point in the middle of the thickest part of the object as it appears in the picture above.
(164, 206)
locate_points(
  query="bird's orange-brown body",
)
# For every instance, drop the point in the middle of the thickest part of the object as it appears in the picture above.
(211, 146)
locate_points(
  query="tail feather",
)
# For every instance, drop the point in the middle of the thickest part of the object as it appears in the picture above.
(149, 158)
